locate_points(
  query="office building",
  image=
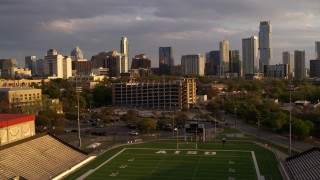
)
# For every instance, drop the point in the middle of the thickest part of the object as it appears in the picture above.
(111, 60)
(212, 64)
(287, 58)
(19, 97)
(277, 71)
(192, 65)
(40, 67)
(315, 68)
(77, 56)
(235, 62)
(6, 66)
(30, 63)
(317, 50)
(57, 65)
(250, 55)
(299, 64)
(171, 95)
(141, 61)
(124, 50)
(224, 57)
(166, 60)
(265, 31)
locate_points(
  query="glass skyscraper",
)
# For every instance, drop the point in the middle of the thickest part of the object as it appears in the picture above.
(166, 60)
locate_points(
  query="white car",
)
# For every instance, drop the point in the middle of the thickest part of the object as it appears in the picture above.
(133, 133)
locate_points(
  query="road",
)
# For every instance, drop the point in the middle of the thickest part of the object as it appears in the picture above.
(296, 145)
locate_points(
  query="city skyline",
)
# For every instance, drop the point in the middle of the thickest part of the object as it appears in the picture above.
(190, 27)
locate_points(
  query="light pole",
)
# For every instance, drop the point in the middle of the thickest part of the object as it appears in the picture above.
(289, 149)
(78, 90)
(235, 119)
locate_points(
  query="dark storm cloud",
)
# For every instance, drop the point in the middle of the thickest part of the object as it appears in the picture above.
(191, 26)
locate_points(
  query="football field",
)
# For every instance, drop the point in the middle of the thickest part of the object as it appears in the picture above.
(153, 163)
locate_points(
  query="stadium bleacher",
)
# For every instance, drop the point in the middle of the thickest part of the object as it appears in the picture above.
(38, 157)
(305, 165)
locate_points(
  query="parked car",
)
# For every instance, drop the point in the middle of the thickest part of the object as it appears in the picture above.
(134, 133)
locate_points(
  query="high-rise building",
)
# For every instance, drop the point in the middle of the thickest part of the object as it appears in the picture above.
(7, 65)
(235, 62)
(141, 61)
(192, 65)
(112, 60)
(250, 55)
(287, 58)
(212, 63)
(265, 44)
(166, 60)
(30, 63)
(317, 50)
(224, 57)
(315, 68)
(124, 50)
(299, 64)
(57, 65)
(77, 54)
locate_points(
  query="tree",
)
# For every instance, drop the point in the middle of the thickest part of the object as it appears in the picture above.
(147, 125)
(102, 95)
(181, 119)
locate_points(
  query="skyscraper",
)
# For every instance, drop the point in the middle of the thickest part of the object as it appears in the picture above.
(317, 50)
(57, 65)
(212, 63)
(299, 64)
(235, 62)
(287, 58)
(192, 65)
(265, 44)
(30, 63)
(224, 57)
(250, 55)
(166, 61)
(124, 49)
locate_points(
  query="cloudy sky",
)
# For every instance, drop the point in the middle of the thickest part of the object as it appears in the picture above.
(31, 27)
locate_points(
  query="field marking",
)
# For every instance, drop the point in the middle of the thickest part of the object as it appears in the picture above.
(259, 176)
(95, 169)
(156, 167)
(197, 166)
(108, 160)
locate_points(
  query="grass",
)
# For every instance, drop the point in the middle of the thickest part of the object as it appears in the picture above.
(149, 165)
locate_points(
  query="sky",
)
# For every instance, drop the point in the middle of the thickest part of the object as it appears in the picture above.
(32, 27)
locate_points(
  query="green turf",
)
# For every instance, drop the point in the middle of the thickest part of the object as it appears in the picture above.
(149, 165)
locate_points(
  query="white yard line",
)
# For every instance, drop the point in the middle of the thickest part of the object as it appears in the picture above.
(93, 170)
(196, 169)
(256, 166)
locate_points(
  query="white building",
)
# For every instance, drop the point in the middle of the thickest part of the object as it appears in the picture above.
(57, 65)
(287, 58)
(192, 65)
(265, 44)
(250, 55)
(124, 50)
(224, 57)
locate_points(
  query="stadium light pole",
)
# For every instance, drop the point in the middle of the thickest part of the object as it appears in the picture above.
(235, 119)
(78, 90)
(290, 123)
